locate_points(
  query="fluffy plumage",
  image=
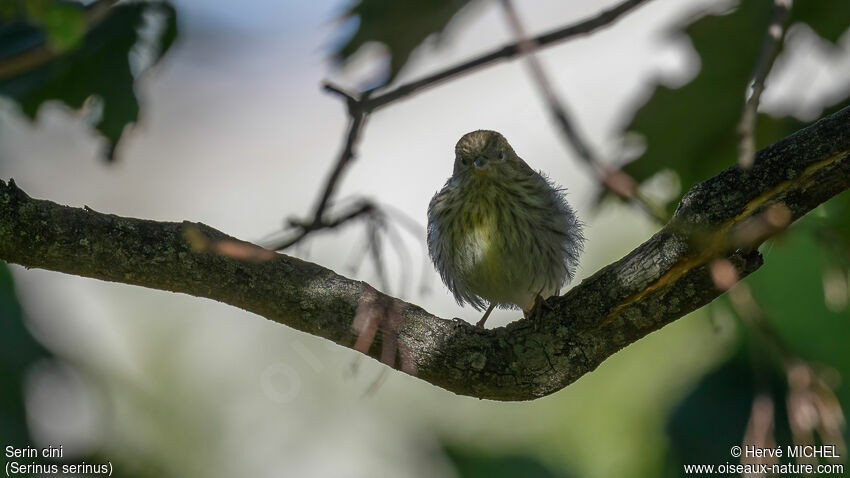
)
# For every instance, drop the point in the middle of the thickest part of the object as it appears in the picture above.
(499, 232)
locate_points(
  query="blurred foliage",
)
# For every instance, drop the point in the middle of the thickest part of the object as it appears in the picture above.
(692, 131)
(64, 24)
(790, 291)
(18, 351)
(715, 415)
(472, 464)
(401, 25)
(62, 50)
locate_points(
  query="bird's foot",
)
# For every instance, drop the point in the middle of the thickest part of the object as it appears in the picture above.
(480, 323)
(539, 304)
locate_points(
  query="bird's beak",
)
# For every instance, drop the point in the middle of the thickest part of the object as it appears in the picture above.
(481, 166)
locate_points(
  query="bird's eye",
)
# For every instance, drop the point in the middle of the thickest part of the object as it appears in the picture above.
(461, 160)
(501, 154)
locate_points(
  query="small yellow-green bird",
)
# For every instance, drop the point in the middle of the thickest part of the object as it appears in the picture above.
(499, 232)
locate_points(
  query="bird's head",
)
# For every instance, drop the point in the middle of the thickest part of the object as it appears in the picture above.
(484, 154)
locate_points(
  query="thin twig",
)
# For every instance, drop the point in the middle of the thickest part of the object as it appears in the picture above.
(508, 51)
(376, 252)
(405, 261)
(360, 107)
(613, 179)
(306, 228)
(556, 105)
(415, 229)
(357, 120)
(767, 55)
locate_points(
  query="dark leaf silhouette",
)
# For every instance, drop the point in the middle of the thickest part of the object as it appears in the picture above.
(33, 70)
(691, 130)
(401, 25)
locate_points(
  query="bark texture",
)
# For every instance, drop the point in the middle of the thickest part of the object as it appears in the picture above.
(668, 276)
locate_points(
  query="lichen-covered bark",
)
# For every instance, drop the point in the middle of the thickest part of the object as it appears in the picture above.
(660, 281)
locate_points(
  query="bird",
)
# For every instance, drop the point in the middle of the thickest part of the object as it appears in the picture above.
(500, 234)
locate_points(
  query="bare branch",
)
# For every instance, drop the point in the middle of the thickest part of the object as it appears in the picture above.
(767, 55)
(360, 107)
(357, 120)
(660, 281)
(615, 180)
(362, 208)
(554, 37)
(527, 48)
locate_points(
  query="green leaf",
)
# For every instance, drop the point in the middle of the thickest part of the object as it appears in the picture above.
(401, 25)
(713, 417)
(9, 10)
(789, 295)
(790, 292)
(169, 33)
(692, 130)
(65, 23)
(98, 66)
(832, 227)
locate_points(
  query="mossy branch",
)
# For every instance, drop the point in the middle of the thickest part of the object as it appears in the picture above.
(723, 219)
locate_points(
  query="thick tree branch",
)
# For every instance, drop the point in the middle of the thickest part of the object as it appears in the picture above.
(566, 337)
